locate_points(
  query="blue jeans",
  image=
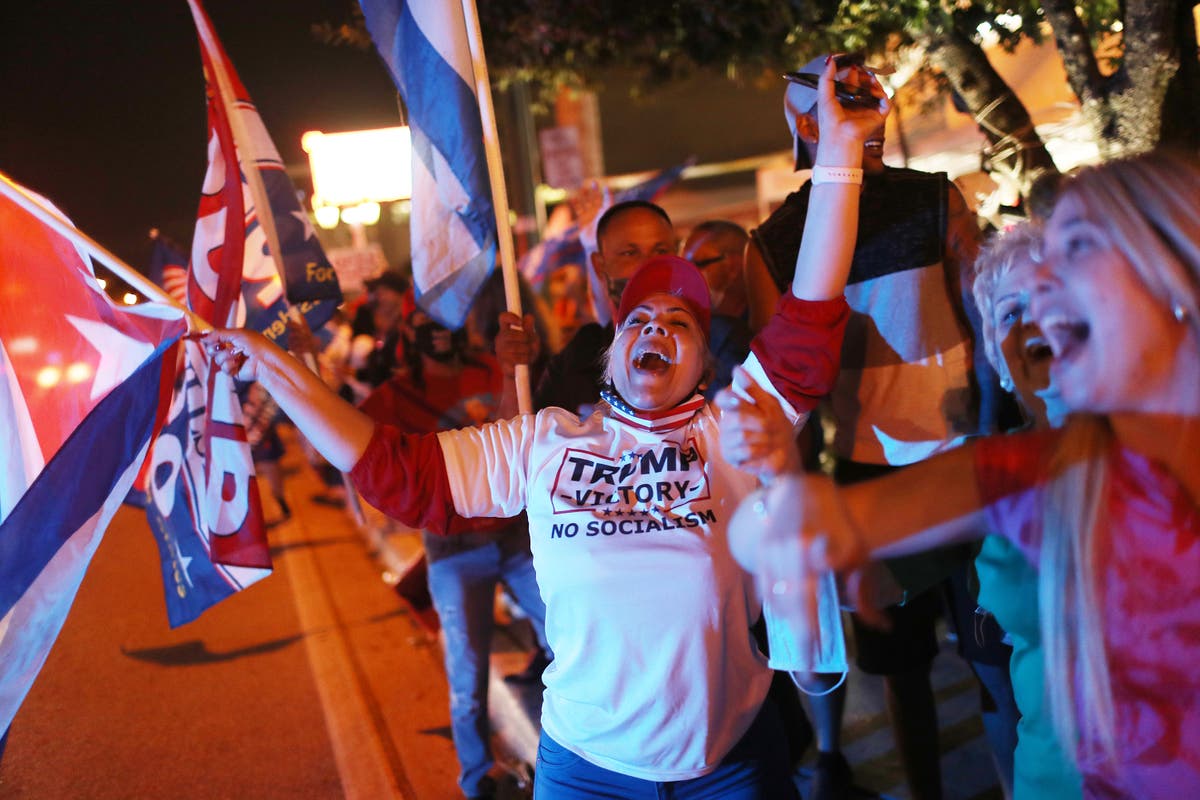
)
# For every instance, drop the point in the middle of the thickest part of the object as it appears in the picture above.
(755, 769)
(1000, 715)
(463, 573)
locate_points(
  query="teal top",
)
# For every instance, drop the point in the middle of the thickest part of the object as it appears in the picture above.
(1008, 589)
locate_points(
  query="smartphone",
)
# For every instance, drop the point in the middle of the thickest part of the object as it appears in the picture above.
(847, 94)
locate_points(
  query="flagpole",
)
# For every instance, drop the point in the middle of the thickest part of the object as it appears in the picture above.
(131, 276)
(491, 146)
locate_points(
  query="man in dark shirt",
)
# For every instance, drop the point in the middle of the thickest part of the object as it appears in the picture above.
(907, 388)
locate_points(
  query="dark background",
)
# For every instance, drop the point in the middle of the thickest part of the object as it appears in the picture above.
(103, 106)
(103, 103)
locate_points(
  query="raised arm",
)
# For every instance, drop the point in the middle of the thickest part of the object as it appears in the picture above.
(800, 346)
(338, 430)
(830, 229)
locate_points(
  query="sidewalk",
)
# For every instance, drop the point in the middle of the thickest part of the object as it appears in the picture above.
(514, 711)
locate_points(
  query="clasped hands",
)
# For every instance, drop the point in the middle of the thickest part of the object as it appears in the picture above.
(797, 526)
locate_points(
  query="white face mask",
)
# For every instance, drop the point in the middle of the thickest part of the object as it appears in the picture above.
(792, 651)
(793, 646)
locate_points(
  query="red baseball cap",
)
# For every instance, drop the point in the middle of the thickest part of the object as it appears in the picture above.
(668, 275)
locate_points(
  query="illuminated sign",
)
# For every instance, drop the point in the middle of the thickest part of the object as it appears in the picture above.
(356, 167)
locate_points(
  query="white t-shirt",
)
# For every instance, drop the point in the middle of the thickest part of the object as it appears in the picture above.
(655, 673)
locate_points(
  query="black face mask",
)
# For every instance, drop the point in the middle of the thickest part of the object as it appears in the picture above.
(440, 344)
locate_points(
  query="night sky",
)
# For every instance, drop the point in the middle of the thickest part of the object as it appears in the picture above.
(103, 107)
(102, 103)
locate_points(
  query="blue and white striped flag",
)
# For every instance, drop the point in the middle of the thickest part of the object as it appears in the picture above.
(424, 43)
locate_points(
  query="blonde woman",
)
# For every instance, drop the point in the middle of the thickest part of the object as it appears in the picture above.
(1107, 508)
(1005, 279)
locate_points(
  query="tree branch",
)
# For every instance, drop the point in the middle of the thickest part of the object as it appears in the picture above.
(1075, 48)
(1013, 142)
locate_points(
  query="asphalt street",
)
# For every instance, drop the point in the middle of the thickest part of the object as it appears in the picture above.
(313, 683)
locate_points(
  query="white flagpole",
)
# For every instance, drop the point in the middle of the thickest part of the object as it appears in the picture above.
(137, 280)
(491, 146)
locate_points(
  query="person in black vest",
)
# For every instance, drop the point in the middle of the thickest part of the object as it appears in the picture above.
(907, 389)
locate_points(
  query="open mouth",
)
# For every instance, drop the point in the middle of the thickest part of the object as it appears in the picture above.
(1065, 336)
(651, 361)
(1037, 350)
(874, 145)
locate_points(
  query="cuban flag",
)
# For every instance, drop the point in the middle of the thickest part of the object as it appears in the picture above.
(249, 214)
(82, 386)
(424, 44)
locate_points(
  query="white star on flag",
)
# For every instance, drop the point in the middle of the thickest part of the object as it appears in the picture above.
(304, 221)
(120, 355)
(184, 563)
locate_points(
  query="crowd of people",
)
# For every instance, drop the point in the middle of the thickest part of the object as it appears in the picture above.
(853, 407)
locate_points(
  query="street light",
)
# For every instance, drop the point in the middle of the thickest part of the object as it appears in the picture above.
(327, 216)
(361, 214)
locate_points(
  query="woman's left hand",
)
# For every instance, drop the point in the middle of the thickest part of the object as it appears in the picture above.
(756, 435)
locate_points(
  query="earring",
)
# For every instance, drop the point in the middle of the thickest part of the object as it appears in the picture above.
(1181, 313)
(1006, 383)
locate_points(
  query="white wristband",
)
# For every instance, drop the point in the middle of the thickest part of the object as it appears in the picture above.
(822, 174)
